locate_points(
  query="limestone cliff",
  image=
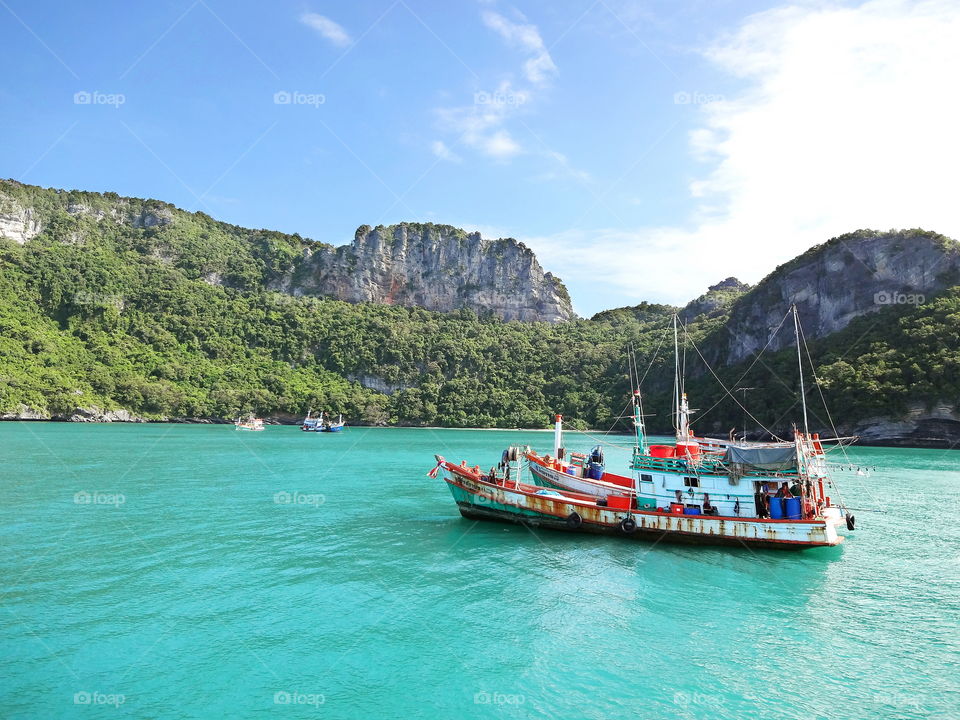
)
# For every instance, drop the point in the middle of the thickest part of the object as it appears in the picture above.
(838, 281)
(437, 267)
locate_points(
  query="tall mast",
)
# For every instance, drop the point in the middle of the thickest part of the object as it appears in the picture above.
(638, 422)
(676, 377)
(803, 394)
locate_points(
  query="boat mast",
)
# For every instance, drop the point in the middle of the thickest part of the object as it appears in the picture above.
(638, 422)
(676, 377)
(558, 436)
(803, 394)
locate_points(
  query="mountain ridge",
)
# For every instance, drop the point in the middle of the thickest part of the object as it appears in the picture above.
(122, 309)
(437, 267)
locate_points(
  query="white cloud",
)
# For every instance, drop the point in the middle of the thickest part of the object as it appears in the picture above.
(847, 121)
(527, 37)
(500, 145)
(327, 28)
(440, 149)
(481, 126)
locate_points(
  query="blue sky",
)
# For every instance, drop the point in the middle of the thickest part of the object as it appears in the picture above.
(643, 149)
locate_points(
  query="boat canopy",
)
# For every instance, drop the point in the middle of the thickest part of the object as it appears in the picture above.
(777, 459)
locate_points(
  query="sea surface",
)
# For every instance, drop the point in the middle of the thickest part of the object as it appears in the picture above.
(177, 571)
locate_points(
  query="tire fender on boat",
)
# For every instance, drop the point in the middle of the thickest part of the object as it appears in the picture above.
(628, 525)
(851, 521)
(574, 521)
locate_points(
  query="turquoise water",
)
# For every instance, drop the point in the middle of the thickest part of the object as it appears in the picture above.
(183, 585)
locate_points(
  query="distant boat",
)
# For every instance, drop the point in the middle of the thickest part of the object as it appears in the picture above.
(321, 424)
(250, 423)
(334, 427)
(311, 424)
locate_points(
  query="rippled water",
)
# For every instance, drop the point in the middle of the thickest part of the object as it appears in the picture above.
(204, 572)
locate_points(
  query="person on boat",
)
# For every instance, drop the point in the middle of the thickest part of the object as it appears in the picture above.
(761, 501)
(796, 489)
(784, 492)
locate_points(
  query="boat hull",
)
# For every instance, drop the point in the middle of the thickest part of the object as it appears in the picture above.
(522, 504)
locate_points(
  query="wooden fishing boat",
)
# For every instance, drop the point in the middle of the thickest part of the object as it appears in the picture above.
(770, 494)
(249, 423)
(481, 497)
(321, 424)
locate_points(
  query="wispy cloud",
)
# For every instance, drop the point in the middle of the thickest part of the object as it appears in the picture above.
(327, 28)
(539, 66)
(484, 125)
(481, 126)
(440, 149)
(846, 121)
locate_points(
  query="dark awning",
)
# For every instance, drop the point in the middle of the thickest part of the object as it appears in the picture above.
(776, 459)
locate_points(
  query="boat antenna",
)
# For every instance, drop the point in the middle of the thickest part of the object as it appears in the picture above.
(803, 394)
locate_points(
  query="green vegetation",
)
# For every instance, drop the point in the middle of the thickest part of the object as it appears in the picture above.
(168, 314)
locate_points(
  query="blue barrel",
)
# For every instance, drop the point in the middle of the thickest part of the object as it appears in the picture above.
(596, 471)
(791, 508)
(776, 508)
(691, 511)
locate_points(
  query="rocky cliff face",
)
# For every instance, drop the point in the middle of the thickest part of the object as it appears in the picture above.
(838, 281)
(436, 267)
(715, 301)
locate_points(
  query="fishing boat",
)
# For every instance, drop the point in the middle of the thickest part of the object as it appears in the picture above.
(310, 424)
(249, 423)
(700, 490)
(334, 426)
(321, 424)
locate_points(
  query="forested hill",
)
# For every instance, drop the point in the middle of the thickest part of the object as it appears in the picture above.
(436, 267)
(113, 308)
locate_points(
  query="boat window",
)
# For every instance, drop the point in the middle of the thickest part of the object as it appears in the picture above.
(646, 478)
(691, 482)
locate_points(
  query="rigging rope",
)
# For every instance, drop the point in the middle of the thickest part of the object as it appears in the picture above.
(755, 361)
(732, 396)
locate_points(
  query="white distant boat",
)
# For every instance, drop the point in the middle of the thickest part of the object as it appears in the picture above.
(250, 423)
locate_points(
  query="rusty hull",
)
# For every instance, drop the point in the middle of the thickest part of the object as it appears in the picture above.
(519, 503)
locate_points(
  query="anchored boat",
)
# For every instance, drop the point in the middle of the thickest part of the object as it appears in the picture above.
(249, 423)
(321, 424)
(701, 490)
